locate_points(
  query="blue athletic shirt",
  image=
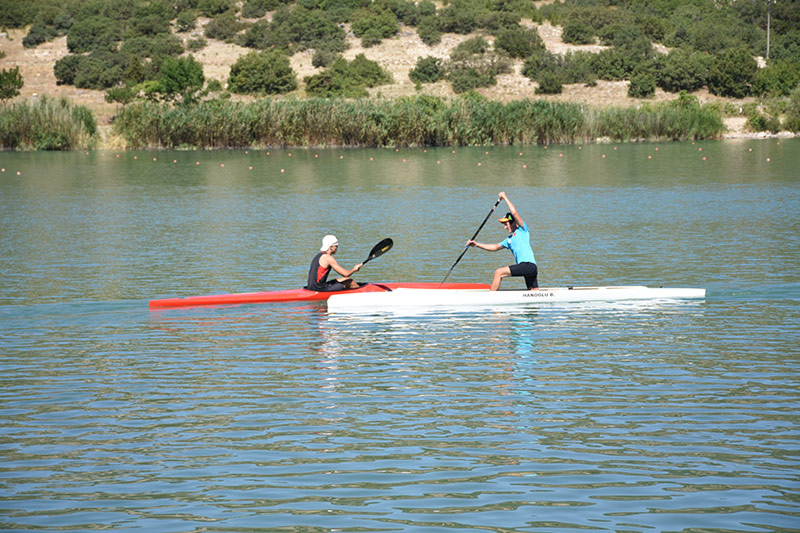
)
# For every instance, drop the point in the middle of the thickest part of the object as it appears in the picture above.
(519, 242)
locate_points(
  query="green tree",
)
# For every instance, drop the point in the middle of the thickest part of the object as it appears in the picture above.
(576, 32)
(778, 78)
(731, 73)
(427, 70)
(224, 27)
(643, 84)
(262, 72)
(428, 30)
(10, 83)
(300, 29)
(347, 79)
(683, 69)
(549, 83)
(181, 77)
(372, 27)
(93, 33)
(519, 42)
(212, 8)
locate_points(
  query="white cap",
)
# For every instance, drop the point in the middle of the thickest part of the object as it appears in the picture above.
(328, 241)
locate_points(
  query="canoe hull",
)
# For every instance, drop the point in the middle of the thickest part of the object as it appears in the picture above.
(470, 299)
(297, 295)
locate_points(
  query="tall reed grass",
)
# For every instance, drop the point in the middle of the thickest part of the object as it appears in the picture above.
(47, 124)
(408, 121)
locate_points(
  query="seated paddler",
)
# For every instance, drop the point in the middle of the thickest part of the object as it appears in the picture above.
(321, 267)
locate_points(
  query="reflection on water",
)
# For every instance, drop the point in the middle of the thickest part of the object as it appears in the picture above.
(633, 416)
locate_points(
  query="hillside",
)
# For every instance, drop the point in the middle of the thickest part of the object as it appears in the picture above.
(397, 55)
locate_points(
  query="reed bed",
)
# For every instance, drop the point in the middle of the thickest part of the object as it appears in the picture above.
(47, 124)
(408, 121)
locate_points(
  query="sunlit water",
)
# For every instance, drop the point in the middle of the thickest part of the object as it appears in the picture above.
(661, 416)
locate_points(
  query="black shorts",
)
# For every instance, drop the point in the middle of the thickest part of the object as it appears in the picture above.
(331, 286)
(529, 271)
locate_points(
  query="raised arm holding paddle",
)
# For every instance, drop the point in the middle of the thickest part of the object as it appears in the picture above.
(519, 242)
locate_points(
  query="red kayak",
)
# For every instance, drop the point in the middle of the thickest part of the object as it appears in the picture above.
(297, 295)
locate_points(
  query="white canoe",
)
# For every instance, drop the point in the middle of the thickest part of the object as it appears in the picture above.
(400, 299)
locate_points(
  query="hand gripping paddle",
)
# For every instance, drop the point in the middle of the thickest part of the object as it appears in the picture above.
(379, 249)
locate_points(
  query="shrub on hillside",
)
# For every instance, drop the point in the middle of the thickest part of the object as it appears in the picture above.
(426, 8)
(731, 73)
(323, 58)
(777, 79)
(253, 9)
(372, 27)
(66, 68)
(642, 85)
(98, 70)
(37, 35)
(224, 27)
(301, 29)
(549, 83)
(186, 21)
(10, 83)
(257, 36)
(572, 67)
(467, 78)
(681, 70)
(576, 32)
(347, 79)
(262, 72)
(212, 8)
(427, 70)
(149, 25)
(181, 77)
(473, 64)
(460, 17)
(93, 33)
(428, 30)
(160, 45)
(519, 42)
(497, 21)
(365, 71)
(50, 22)
(469, 48)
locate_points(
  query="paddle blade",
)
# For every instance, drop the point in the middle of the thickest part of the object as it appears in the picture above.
(379, 249)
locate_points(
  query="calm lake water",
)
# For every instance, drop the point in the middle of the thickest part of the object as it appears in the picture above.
(627, 417)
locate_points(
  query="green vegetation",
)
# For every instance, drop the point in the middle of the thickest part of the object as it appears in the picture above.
(348, 78)
(10, 83)
(126, 42)
(428, 69)
(262, 73)
(793, 111)
(46, 125)
(136, 50)
(411, 121)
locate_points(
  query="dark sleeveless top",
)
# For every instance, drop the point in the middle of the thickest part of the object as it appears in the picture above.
(317, 275)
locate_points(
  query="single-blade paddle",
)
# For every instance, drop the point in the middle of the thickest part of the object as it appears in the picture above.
(472, 239)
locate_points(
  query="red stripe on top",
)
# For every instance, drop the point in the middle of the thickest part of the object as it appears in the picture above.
(322, 272)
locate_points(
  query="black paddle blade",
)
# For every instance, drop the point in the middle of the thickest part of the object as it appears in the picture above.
(379, 249)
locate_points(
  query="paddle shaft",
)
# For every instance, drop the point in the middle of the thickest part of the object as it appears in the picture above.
(472, 239)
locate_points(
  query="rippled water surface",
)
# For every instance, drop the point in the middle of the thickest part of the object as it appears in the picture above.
(660, 416)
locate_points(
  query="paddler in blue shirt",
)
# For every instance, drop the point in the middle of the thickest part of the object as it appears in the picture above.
(519, 242)
(323, 263)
